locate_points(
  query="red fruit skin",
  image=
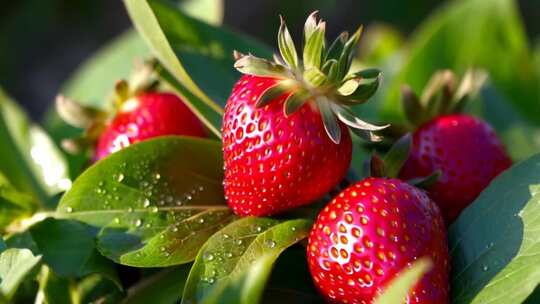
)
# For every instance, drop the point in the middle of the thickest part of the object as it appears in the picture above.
(369, 233)
(147, 116)
(467, 152)
(273, 162)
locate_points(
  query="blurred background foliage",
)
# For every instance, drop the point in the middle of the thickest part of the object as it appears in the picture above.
(43, 42)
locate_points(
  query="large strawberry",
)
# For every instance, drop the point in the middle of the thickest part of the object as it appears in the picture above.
(370, 233)
(140, 113)
(285, 139)
(463, 148)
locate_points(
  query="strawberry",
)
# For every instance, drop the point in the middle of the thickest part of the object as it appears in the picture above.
(140, 113)
(463, 148)
(371, 232)
(147, 116)
(285, 136)
(466, 151)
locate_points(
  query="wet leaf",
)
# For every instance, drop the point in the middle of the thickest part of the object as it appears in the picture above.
(235, 263)
(156, 202)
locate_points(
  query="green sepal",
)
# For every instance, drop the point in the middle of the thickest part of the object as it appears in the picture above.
(331, 125)
(367, 135)
(313, 50)
(427, 181)
(470, 85)
(251, 65)
(335, 49)
(77, 114)
(295, 101)
(362, 89)
(332, 65)
(315, 77)
(397, 155)
(344, 62)
(275, 91)
(286, 45)
(346, 116)
(414, 111)
(310, 25)
(437, 97)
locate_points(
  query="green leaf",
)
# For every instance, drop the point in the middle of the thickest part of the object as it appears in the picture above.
(234, 265)
(68, 247)
(97, 289)
(52, 288)
(198, 55)
(156, 201)
(210, 11)
(521, 138)
(15, 266)
(13, 204)
(286, 46)
(495, 40)
(29, 157)
(162, 287)
(94, 80)
(494, 242)
(399, 287)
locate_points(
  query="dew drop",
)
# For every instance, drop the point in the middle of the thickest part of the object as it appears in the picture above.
(162, 248)
(293, 228)
(208, 256)
(175, 229)
(201, 220)
(211, 280)
(485, 268)
(154, 209)
(270, 243)
(146, 203)
(69, 209)
(226, 236)
(228, 255)
(138, 222)
(129, 209)
(120, 177)
(117, 220)
(157, 176)
(101, 184)
(239, 242)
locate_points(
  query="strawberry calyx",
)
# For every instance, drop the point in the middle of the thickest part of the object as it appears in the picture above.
(443, 94)
(322, 77)
(94, 120)
(393, 161)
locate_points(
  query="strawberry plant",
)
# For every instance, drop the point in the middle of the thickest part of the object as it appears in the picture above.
(187, 163)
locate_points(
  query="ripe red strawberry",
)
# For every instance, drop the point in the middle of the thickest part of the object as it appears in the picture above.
(463, 148)
(273, 163)
(369, 233)
(146, 116)
(285, 140)
(466, 151)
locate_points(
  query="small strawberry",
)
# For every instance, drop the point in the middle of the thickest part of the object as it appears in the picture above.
(147, 116)
(371, 232)
(463, 148)
(285, 140)
(141, 113)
